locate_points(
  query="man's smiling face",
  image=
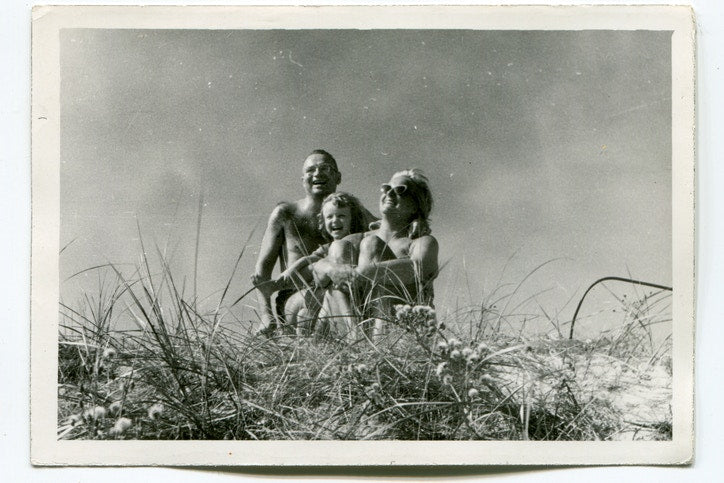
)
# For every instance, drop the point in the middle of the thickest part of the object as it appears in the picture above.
(320, 176)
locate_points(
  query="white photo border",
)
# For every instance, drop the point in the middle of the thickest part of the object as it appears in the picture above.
(47, 450)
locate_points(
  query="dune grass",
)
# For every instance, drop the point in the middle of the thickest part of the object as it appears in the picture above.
(185, 373)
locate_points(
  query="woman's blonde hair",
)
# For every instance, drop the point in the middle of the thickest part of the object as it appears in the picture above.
(419, 188)
(341, 199)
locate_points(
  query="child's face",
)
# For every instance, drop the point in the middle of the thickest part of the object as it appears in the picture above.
(337, 221)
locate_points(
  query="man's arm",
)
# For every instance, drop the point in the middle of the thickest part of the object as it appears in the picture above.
(271, 245)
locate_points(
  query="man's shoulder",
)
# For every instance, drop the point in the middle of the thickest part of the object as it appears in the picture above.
(285, 209)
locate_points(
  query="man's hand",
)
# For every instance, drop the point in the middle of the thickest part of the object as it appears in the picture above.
(257, 279)
(263, 284)
(288, 278)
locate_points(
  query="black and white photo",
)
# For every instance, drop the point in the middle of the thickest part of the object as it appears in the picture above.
(324, 233)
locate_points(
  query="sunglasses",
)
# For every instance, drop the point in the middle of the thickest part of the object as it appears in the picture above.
(399, 190)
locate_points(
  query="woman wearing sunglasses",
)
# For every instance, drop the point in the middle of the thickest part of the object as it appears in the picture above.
(396, 262)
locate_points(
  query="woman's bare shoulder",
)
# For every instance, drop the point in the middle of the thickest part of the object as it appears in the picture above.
(355, 238)
(369, 235)
(424, 242)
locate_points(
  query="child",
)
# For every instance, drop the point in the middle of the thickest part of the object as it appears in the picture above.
(341, 215)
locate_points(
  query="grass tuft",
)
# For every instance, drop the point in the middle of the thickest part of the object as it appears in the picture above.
(183, 374)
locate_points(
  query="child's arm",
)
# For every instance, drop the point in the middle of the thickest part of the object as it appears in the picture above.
(297, 275)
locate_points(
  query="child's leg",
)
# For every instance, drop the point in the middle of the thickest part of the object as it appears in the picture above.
(339, 315)
(307, 315)
(380, 311)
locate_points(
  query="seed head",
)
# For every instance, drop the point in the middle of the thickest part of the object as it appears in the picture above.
(473, 393)
(482, 347)
(440, 368)
(121, 425)
(115, 407)
(467, 351)
(486, 378)
(402, 311)
(97, 412)
(454, 343)
(442, 346)
(155, 411)
(447, 379)
(109, 353)
(455, 355)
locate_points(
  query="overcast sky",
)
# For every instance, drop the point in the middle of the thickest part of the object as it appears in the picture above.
(538, 146)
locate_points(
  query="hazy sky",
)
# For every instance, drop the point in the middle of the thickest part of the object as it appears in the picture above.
(538, 145)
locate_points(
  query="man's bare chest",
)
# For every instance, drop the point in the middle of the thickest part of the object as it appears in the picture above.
(303, 234)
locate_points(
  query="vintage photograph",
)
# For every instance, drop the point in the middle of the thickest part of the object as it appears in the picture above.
(290, 231)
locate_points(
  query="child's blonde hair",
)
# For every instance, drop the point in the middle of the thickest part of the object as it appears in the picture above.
(341, 199)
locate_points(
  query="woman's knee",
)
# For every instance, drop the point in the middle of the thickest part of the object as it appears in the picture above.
(341, 251)
(373, 249)
(372, 244)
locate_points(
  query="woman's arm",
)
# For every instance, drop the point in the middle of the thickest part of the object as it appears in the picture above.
(422, 264)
